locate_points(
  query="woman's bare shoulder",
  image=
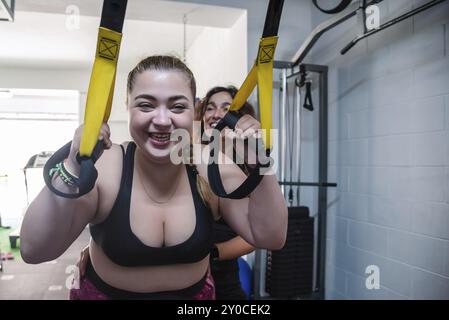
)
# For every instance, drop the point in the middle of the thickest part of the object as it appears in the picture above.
(109, 167)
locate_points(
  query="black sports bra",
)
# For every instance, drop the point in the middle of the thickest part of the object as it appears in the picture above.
(122, 246)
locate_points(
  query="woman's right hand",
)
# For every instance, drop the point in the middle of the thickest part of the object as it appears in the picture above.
(105, 135)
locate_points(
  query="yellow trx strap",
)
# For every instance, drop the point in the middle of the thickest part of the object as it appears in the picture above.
(101, 88)
(262, 75)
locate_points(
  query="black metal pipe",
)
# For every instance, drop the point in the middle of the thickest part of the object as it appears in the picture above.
(326, 26)
(322, 176)
(365, 30)
(390, 23)
(282, 64)
(320, 268)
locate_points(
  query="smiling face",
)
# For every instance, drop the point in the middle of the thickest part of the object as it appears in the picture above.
(216, 108)
(160, 102)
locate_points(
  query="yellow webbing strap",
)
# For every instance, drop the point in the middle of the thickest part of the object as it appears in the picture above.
(262, 75)
(101, 88)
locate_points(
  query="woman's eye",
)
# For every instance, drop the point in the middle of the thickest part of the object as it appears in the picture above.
(210, 109)
(146, 106)
(178, 108)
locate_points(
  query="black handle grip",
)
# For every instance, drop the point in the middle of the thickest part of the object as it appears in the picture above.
(229, 120)
(308, 103)
(347, 47)
(88, 172)
(252, 181)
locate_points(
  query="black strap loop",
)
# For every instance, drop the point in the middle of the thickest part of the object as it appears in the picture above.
(308, 103)
(88, 172)
(213, 173)
(229, 120)
(339, 8)
(244, 190)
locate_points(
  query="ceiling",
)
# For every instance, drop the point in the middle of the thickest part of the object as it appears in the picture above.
(148, 10)
(38, 37)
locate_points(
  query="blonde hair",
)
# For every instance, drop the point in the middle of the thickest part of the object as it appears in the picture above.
(165, 63)
(171, 63)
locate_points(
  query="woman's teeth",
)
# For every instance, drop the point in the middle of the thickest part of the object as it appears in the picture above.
(160, 136)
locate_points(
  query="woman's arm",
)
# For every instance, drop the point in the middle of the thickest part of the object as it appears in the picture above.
(52, 223)
(261, 218)
(233, 248)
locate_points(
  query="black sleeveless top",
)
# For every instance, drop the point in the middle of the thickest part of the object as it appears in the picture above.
(122, 246)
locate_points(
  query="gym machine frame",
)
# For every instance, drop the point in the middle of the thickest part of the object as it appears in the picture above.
(319, 282)
(318, 291)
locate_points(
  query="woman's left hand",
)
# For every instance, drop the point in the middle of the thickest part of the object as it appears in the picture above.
(247, 127)
(248, 130)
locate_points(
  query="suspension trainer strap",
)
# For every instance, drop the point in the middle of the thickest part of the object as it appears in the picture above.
(99, 99)
(261, 74)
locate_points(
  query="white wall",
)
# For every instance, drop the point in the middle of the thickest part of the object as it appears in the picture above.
(229, 64)
(389, 153)
(224, 62)
(218, 56)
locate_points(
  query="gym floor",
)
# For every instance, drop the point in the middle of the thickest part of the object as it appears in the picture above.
(46, 281)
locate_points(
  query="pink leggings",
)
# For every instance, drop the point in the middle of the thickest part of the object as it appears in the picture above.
(88, 291)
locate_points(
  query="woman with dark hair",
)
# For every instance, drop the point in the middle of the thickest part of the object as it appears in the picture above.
(228, 246)
(151, 220)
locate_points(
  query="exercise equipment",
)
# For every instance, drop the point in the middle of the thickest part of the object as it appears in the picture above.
(99, 100)
(264, 263)
(289, 69)
(388, 24)
(262, 75)
(338, 8)
(327, 25)
(289, 271)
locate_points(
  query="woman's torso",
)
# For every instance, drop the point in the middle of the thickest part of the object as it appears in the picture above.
(154, 225)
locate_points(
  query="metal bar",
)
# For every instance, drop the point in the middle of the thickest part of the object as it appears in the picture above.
(297, 135)
(322, 28)
(365, 30)
(289, 143)
(322, 176)
(325, 26)
(282, 155)
(310, 67)
(282, 64)
(390, 23)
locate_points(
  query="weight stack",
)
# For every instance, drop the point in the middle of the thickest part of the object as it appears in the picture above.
(289, 272)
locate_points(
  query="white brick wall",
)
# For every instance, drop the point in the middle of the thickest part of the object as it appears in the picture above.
(389, 153)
